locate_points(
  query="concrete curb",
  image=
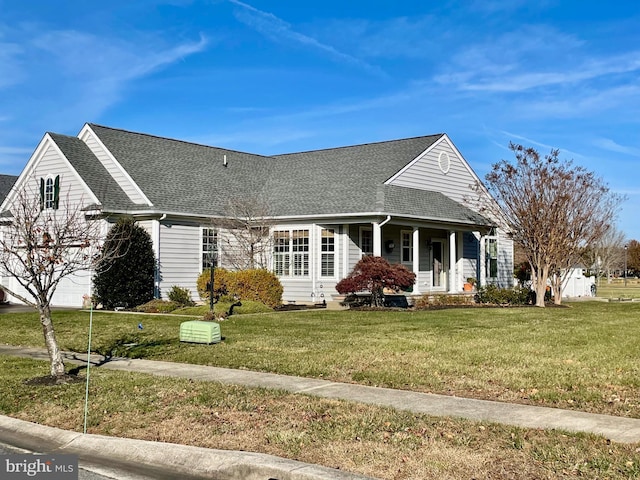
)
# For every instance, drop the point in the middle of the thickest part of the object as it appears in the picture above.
(169, 459)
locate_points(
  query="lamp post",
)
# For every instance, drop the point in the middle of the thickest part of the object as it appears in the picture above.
(625, 264)
(212, 263)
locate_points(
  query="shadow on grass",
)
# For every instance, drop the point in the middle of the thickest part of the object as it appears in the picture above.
(124, 347)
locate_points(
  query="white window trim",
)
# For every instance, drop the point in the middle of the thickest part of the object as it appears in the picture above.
(289, 275)
(334, 253)
(364, 229)
(217, 249)
(409, 233)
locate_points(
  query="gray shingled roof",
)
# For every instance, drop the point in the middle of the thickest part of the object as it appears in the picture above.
(93, 173)
(6, 182)
(183, 177)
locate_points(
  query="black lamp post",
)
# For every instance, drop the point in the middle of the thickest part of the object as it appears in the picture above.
(212, 262)
(625, 264)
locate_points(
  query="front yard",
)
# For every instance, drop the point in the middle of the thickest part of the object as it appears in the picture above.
(585, 357)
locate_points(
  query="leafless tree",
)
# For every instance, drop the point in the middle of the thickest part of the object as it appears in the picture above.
(553, 209)
(245, 233)
(606, 254)
(41, 245)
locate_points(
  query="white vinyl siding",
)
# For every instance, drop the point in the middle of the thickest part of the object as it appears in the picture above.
(180, 258)
(425, 173)
(113, 167)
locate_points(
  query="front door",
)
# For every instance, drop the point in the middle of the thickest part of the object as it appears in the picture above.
(437, 266)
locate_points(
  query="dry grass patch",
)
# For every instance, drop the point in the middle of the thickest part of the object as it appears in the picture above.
(374, 441)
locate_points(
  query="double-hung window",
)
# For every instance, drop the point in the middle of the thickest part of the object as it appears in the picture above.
(366, 242)
(491, 255)
(328, 253)
(209, 248)
(300, 249)
(291, 253)
(407, 246)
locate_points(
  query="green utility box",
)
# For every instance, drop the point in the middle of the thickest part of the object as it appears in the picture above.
(199, 331)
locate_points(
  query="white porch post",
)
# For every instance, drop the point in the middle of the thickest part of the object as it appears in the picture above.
(345, 251)
(377, 239)
(482, 281)
(416, 259)
(453, 273)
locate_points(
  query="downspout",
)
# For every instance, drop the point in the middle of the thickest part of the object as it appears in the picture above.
(156, 247)
(377, 236)
(385, 221)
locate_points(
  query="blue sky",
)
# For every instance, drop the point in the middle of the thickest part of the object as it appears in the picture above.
(280, 76)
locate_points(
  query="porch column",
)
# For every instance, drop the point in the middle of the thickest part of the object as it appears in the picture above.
(377, 239)
(345, 251)
(482, 280)
(453, 271)
(416, 259)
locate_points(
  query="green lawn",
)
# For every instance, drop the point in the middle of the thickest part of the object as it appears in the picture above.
(585, 356)
(617, 289)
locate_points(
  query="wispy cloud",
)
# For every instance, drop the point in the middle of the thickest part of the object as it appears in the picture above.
(612, 146)
(279, 30)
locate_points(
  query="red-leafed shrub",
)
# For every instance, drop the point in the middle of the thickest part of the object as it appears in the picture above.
(374, 274)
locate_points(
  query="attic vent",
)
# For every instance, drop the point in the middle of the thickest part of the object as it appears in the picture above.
(445, 162)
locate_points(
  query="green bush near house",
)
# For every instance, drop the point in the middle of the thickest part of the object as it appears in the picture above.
(125, 275)
(181, 296)
(492, 294)
(258, 285)
(220, 280)
(157, 306)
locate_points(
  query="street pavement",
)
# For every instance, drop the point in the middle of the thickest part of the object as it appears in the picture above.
(244, 465)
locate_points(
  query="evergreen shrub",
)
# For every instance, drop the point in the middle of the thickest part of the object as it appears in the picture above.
(125, 276)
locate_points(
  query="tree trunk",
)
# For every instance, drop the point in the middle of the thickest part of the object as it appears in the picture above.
(55, 355)
(540, 278)
(557, 289)
(377, 297)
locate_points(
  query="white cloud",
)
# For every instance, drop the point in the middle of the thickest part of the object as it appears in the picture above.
(279, 30)
(612, 146)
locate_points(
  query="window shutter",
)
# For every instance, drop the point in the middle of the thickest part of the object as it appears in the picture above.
(42, 194)
(56, 192)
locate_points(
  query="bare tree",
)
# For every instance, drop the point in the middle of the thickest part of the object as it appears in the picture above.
(245, 232)
(41, 245)
(553, 209)
(606, 254)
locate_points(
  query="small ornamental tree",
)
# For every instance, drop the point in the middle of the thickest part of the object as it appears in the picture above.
(374, 274)
(127, 279)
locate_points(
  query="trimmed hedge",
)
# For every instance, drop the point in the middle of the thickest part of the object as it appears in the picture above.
(504, 296)
(257, 285)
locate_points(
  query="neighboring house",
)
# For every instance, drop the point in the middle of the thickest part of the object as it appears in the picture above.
(576, 284)
(409, 200)
(6, 183)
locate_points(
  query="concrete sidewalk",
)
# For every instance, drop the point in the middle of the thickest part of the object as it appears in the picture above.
(242, 465)
(617, 429)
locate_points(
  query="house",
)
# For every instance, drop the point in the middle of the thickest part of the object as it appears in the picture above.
(407, 200)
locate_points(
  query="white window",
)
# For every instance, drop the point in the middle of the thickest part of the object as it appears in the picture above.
(406, 246)
(327, 254)
(291, 253)
(366, 242)
(209, 248)
(50, 192)
(491, 255)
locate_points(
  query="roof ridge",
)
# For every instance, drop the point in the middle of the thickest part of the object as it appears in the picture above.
(358, 145)
(151, 135)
